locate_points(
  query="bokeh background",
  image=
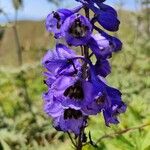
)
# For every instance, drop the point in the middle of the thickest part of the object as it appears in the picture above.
(23, 42)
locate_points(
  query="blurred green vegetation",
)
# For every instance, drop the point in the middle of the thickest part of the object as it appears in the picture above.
(23, 124)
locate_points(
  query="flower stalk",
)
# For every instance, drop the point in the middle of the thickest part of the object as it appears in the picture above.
(79, 146)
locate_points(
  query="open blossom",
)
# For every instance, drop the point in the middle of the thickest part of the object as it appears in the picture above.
(77, 87)
(72, 92)
(104, 98)
(105, 15)
(61, 60)
(77, 30)
(55, 20)
(64, 118)
(100, 46)
(103, 45)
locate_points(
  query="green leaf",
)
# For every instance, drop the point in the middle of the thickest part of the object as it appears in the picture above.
(146, 142)
(125, 141)
(5, 146)
(147, 148)
(135, 113)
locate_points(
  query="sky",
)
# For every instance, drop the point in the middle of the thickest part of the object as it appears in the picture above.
(38, 9)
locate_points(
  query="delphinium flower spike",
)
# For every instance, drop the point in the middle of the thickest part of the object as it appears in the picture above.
(77, 87)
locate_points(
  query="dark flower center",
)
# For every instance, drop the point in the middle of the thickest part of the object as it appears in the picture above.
(75, 91)
(57, 16)
(78, 30)
(72, 114)
(101, 100)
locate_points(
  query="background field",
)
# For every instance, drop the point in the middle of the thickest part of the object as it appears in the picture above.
(23, 124)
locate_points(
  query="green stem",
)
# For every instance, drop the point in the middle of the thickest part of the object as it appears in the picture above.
(79, 146)
(18, 46)
(85, 53)
(72, 141)
(19, 52)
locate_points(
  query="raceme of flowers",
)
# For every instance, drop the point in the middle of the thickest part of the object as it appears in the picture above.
(77, 86)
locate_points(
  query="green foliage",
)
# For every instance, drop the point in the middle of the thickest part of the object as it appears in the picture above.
(23, 124)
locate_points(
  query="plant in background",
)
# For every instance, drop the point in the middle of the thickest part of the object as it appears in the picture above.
(77, 86)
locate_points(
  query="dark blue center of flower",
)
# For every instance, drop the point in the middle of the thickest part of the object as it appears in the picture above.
(72, 114)
(57, 16)
(75, 91)
(77, 29)
(101, 100)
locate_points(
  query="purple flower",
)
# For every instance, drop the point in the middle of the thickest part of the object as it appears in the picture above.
(70, 120)
(105, 98)
(99, 98)
(110, 114)
(108, 21)
(72, 91)
(61, 60)
(102, 67)
(55, 20)
(106, 8)
(103, 45)
(50, 78)
(77, 30)
(77, 87)
(114, 107)
(105, 15)
(64, 118)
(52, 107)
(115, 43)
(100, 46)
